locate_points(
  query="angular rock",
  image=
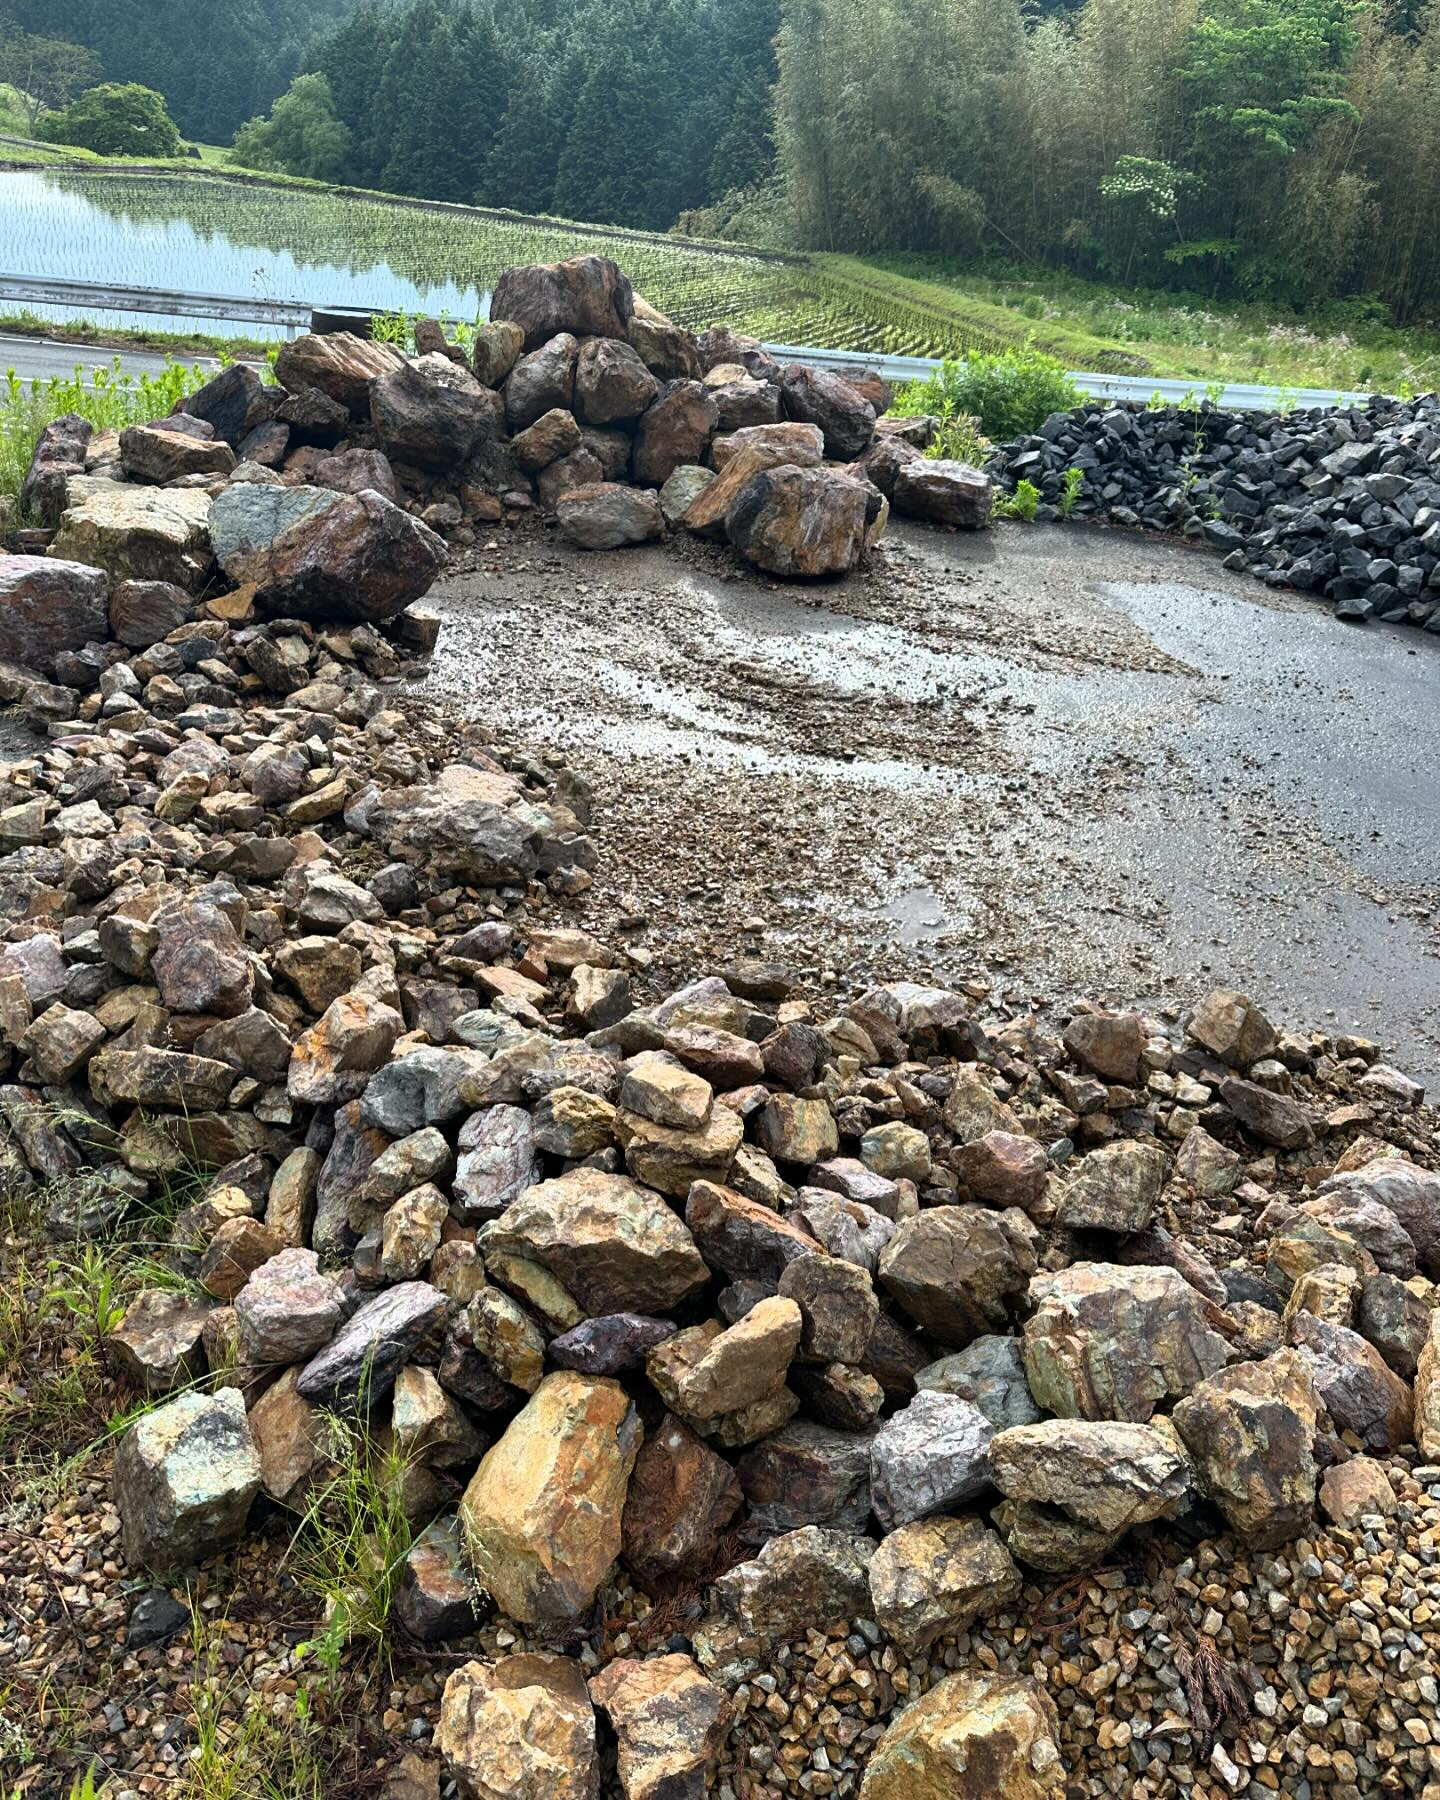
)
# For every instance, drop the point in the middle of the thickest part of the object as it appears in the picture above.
(497, 345)
(139, 533)
(610, 1344)
(542, 1514)
(806, 1579)
(818, 397)
(799, 522)
(294, 1441)
(340, 364)
(541, 381)
(332, 1062)
(435, 1596)
(1273, 1118)
(1359, 1392)
(432, 413)
(359, 1365)
(518, 1728)
(838, 1306)
(808, 1474)
(1107, 1475)
(158, 1342)
(49, 605)
(1412, 1194)
(936, 1576)
(612, 384)
(975, 1736)
(1114, 1188)
(1001, 1169)
(793, 442)
(681, 1500)
(154, 454)
(745, 1364)
(669, 1722)
(587, 295)
(185, 1475)
(671, 1159)
(1230, 1025)
(605, 515)
(613, 1244)
(741, 1237)
(958, 1270)
(990, 1372)
(553, 435)
(1251, 1432)
(673, 430)
(233, 403)
(947, 493)
(1107, 1342)
(929, 1456)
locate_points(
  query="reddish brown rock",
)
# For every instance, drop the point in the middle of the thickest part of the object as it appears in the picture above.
(587, 295)
(799, 522)
(673, 431)
(340, 364)
(681, 1500)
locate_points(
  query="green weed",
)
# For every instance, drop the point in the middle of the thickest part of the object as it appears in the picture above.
(1070, 494)
(1010, 394)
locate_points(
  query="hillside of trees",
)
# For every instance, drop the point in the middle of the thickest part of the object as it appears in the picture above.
(217, 62)
(1276, 150)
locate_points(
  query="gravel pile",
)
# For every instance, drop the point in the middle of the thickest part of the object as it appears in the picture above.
(1343, 504)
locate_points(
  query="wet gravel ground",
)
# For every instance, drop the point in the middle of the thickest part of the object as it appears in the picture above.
(1054, 760)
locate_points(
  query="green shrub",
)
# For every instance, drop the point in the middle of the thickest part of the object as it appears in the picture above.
(1011, 394)
(119, 118)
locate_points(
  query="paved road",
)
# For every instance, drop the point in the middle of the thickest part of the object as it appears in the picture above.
(33, 357)
(1066, 760)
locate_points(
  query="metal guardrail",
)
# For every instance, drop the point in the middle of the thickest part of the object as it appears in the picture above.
(86, 296)
(1241, 396)
(297, 315)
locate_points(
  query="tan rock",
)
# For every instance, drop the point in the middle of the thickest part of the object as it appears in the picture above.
(668, 1720)
(975, 1736)
(519, 1729)
(1251, 1430)
(938, 1575)
(1232, 1027)
(614, 1245)
(798, 1131)
(542, 1514)
(673, 1160)
(667, 1366)
(1351, 1491)
(1427, 1393)
(745, 1363)
(295, 1442)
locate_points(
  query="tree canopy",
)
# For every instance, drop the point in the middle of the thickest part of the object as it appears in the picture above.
(115, 119)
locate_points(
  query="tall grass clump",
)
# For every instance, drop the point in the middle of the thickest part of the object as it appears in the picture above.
(1011, 393)
(112, 399)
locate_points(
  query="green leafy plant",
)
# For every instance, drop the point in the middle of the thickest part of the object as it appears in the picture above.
(960, 440)
(1022, 504)
(1011, 394)
(1070, 493)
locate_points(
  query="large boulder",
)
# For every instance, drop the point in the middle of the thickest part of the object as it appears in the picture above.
(1251, 1432)
(816, 397)
(185, 1475)
(233, 403)
(976, 1736)
(138, 533)
(335, 558)
(433, 412)
(541, 381)
(1112, 1342)
(542, 1514)
(674, 430)
(800, 522)
(708, 511)
(958, 1270)
(340, 364)
(47, 606)
(605, 515)
(519, 1729)
(616, 1246)
(587, 295)
(612, 384)
(949, 493)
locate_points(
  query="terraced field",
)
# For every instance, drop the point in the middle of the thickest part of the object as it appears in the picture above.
(212, 234)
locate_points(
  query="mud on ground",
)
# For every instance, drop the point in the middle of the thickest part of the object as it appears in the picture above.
(1054, 760)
